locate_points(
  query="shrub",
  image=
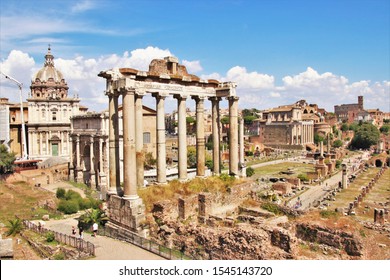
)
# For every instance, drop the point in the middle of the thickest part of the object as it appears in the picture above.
(249, 172)
(328, 214)
(303, 177)
(84, 203)
(68, 206)
(15, 226)
(72, 195)
(338, 143)
(59, 256)
(60, 193)
(338, 163)
(50, 237)
(271, 207)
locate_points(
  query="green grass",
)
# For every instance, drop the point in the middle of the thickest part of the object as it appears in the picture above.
(275, 170)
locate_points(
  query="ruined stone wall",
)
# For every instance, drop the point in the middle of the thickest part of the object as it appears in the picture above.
(335, 238)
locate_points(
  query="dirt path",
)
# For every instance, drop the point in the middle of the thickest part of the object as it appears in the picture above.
(54, 186)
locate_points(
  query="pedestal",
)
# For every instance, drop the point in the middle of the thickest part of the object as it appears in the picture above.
(126, 213)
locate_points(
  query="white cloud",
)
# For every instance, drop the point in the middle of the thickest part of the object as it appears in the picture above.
(256, 90)
(192, 66)
(249, 80)
(83, 6)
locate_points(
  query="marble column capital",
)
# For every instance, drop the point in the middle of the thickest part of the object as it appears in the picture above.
(215, 99)
(232, 98)
(198, 98)
(126, 91)
(139, 93)
(180, 96)
(112, 93)
(159, 95)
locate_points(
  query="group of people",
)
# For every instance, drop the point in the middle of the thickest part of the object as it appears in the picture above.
(95, 227)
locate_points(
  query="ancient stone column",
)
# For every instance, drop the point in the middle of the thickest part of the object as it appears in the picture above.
(182, 135)
(242, 148)
(233, 135)
(161, 146)
(216, 138)
(77, 151)
(71, 165)
(322, 148)
(139, 140)
(328, 144)
(92, 167)
(344, 178)
(129, 152)
(200, 138)
(113, 138)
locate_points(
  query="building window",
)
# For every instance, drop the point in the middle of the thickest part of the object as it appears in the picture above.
(54, 116)
(146, 137)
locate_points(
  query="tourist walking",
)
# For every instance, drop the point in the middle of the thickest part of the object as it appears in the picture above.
(81, 235)
(95, 228)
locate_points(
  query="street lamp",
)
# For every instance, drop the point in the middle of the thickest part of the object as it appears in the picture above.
(20, 85)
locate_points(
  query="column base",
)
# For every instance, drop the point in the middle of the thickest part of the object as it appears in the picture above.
(79, 176)
(92, 181)
(126, 213)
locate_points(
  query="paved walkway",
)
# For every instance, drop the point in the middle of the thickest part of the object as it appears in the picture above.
(105, 248)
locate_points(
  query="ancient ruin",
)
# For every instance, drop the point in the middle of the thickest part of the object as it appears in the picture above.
(166, 77)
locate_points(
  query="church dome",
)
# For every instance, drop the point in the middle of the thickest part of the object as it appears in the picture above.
(48, 71)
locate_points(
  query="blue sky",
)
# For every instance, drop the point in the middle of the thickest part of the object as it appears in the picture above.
(278, 51)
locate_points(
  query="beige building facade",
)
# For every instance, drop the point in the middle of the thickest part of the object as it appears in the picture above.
(49, 112)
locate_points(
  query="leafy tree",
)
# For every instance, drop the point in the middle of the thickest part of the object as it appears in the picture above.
(366, 135)
(249, 119)
(249, 172)
(337, 143)
(318, 138)
(385, 129)
(60, 193)
(354, 126)
(15, 226)
(6, 159)
(225, 120)
(191, 157)
(344, 127)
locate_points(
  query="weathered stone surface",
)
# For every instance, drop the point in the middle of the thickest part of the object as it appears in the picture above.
(335, 238)
(6, 248)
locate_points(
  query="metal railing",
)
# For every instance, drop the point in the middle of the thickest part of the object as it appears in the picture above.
(82, 245)
(149, 245)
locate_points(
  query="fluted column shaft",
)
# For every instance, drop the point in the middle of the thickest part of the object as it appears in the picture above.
(233, 135)
(129, 152)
